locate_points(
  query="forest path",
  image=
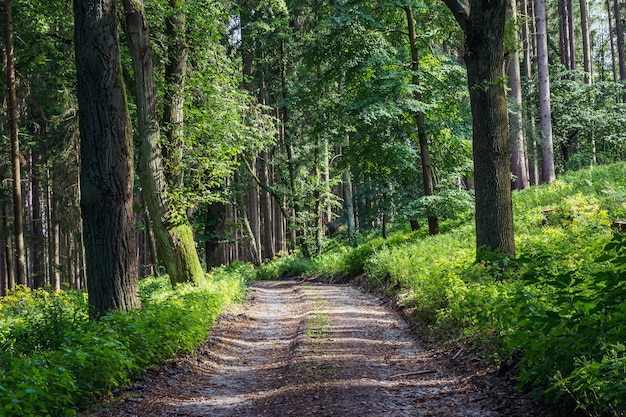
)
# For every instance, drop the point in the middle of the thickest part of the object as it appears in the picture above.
(309, 349)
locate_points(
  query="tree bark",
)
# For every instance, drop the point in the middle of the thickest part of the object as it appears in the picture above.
(519, 161)
(587, 57)
(106, 160)
(173, 104)
(37, 268)
(619, 34)
(483, 25)
(548, 174)
(7, 253)
(427, 175)
(253, 212)
(531, 130)
(265, 201)
(348, 197)
(18, 211)
(612, 42)
(171, 225)
(571, 37)
(215, 233)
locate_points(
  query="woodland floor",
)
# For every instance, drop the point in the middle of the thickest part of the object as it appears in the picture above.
(311, 349)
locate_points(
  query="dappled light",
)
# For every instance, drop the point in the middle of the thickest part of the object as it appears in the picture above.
(305, 349)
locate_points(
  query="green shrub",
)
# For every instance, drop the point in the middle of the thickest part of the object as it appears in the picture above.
(73, 360)
(285, 266)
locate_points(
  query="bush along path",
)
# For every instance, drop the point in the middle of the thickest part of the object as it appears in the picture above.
(311, 349)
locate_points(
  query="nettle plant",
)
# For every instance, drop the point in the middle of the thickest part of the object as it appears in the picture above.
(572, 327)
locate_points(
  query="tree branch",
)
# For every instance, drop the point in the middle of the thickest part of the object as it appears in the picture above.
(460, 11)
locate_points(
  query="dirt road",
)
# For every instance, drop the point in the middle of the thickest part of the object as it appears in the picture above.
(308, 349)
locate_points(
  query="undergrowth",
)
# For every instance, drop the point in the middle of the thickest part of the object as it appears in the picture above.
(55, 360)
(556, 315)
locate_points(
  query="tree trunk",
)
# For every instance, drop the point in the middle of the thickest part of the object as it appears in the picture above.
(8, 249)
(571, 37)
(531, 130)
(619, 31)
(253, 212)
(106, 160)
(484, 56)
(265, 201)
(348, 197)
(609, 18)
(519, 162)
(563, 34)
(175, 75)
(252, 247)
(215, 234)
(18, 212)
(37, 268)
(548, 174)
(587, 56)
(427, 175)
(55, 258)
(171, 225)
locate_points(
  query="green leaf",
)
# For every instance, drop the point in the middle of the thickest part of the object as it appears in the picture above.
(603, 258)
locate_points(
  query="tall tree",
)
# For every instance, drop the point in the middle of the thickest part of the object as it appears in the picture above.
(519, 162)
(619, 35)
(609, 19)
(482, 22)
(175, 77)
(106, 160)
(429, 189)
(587, 55)
(548, 174)
(171, 225)
(18, 210)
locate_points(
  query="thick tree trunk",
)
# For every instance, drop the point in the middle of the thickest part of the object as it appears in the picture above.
(548, 174)
(171, 225)
(483, 26)
(519, 161)
(106, 160)
(18, 211)
(427, 175)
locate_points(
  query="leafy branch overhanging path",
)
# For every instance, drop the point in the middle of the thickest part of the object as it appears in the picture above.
(307, 349)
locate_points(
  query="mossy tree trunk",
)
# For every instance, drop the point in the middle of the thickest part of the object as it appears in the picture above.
(171, 226)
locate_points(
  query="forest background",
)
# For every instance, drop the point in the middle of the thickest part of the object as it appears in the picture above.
(278, 124)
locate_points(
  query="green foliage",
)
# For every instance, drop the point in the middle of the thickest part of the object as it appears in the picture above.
(285, 266)
(447, 204)
(53, 359)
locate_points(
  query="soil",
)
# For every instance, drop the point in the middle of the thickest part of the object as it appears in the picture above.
(313, 349)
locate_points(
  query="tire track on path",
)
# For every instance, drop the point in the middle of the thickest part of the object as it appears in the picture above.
(308, 349)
